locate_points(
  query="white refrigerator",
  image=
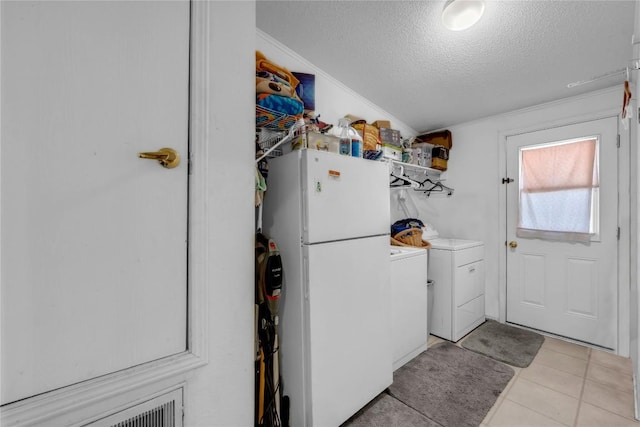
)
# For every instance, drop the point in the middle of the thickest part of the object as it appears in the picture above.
(329, 216)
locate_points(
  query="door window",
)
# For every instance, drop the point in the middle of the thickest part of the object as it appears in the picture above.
(559, 190)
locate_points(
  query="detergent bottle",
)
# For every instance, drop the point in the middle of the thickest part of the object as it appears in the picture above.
(357, 143)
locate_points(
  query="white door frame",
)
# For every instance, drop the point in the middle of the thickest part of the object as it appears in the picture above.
(93, 399)
(623, 217)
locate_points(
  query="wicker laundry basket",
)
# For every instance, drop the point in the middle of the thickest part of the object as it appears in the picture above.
(410, 237)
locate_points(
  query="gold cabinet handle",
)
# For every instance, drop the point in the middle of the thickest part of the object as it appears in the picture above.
(167, 157)
(513, 244)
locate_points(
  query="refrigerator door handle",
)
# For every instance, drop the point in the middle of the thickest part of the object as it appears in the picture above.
(305, 213)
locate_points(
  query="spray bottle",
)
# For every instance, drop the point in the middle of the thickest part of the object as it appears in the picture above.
(345, 137)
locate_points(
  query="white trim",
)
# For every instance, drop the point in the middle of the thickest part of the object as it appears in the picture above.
(1, 423)
(74, 404)
(623, 216)
(116, 415)
(77, 403)
(200, 127)
(635, 398)
(540, 107)
(624, 244)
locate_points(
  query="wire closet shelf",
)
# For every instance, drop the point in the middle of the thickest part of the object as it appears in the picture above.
(419, 178)
(271, 141)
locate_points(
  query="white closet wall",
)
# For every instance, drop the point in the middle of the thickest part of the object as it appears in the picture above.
(333, 99)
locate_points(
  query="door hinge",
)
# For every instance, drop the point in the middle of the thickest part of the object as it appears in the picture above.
(618, 141)
(618, 233)
(507, 180)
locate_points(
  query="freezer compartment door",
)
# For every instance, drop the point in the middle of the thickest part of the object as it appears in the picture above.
(349, 326)
(344, 197)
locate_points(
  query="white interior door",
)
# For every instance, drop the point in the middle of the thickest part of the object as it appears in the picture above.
(563, 287)
(93, 237)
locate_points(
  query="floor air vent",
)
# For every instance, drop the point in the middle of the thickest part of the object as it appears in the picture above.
(162, 411)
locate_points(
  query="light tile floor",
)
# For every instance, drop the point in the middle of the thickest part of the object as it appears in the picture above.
(566, 385)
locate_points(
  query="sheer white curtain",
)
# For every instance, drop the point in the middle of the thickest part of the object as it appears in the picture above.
(559, 190)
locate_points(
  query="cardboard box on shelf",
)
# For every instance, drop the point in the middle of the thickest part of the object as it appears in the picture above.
(440, 152)
(442, 138)
(438, 163)
(391, 152)
(382, 124)
(422, 153)
(370, 136)
(390, 136)
(313, 141)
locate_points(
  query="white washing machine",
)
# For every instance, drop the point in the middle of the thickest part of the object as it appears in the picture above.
(408, 303)
(456, 267)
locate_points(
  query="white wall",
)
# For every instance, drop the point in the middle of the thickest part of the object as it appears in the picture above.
(473, 212)
(221, 393)
(333, 99)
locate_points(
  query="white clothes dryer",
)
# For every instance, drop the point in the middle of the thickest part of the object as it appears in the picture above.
(456, 267)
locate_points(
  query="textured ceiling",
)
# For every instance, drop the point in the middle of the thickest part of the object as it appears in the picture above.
(398, 55)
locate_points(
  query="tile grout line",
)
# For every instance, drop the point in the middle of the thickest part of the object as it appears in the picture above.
(499, 402)
(584, 383)
(506, 391)
(538, 411)
(591, 362)
(497, 405)
(509, 386)
(610, 387)
(566, 354)
(615, 370)
(549, 388)
(564, 372)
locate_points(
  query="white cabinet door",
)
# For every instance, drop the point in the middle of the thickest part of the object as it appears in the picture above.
(93, 238)
(408, 308)
(441, 272)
